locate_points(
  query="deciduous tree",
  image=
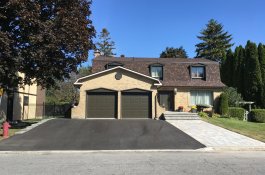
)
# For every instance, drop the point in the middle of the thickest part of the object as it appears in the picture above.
(172, 52)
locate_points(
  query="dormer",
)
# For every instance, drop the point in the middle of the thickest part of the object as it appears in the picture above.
(113, 64)
(198, 71)
(156, 71)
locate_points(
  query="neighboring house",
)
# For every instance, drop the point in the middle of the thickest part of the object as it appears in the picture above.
(24, 103)
(146, 87)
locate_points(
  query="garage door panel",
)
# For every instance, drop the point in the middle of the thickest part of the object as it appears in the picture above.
(135, 105)
(101, 105)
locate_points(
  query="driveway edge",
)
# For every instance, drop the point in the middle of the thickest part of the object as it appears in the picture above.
(22, 131)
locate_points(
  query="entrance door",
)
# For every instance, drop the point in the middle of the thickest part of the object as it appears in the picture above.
(166, 99)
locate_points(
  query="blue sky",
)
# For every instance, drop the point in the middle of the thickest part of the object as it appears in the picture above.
(143, 28)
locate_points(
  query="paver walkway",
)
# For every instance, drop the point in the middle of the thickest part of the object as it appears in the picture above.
(215, 136)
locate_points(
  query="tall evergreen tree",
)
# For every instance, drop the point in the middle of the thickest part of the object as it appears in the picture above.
(261, 52)
(227, 71)
(252, 83)
(105, 44)
(239, 68)
(215, 42)
(172, 52)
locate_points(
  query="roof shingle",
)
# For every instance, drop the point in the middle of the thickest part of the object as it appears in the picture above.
(176, 70)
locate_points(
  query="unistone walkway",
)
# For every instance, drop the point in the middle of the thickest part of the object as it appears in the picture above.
(215, 136)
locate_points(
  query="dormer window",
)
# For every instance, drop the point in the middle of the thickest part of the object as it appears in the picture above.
(112, 65)
(156, 71)
(198, 72)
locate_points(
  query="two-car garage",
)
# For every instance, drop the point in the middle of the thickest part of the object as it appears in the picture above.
(103, 103)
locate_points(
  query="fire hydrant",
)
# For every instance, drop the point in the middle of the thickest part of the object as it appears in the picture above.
(6, 127)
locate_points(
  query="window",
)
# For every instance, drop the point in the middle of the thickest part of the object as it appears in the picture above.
(157, 72)
(112, 65)
(26, 101)
(197, 72)
(201, 97)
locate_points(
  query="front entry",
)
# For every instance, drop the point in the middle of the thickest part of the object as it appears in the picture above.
(166, 99)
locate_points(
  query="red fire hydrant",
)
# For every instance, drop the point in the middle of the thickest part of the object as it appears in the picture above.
(6, 127)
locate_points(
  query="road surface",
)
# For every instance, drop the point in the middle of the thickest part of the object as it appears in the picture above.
(199, 163)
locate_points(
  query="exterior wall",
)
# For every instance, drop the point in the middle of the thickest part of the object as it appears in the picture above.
(107, 80)
(20, 110)
(39, 101)
(182, 98)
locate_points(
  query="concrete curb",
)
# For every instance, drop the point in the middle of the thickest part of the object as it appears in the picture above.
(22, 131)
(201, 150)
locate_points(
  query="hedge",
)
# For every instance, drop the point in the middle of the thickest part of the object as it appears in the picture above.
(258, 115)
(235, 112)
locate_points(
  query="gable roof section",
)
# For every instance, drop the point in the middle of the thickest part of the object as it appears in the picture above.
(158, 83)
(176, 71)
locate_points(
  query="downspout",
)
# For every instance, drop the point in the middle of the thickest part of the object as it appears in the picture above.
(156, 106)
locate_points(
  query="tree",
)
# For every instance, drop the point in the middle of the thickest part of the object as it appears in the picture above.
(261, 53)
(223, 104)
(227, 68)
(105, 45)
(172, 52)
(252, 83)
(215, 42)
(43, 40)
(65, 91)
(233, 96)
(239, 68)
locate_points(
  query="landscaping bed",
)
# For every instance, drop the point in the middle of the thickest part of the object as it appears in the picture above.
(250, 129)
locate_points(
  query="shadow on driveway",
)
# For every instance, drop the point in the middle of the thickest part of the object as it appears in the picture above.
(74, 134)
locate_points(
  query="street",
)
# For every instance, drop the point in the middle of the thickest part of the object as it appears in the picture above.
(132, 163)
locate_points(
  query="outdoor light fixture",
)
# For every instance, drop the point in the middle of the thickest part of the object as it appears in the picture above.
(175, 90)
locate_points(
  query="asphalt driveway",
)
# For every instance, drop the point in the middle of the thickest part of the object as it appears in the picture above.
(73, 134)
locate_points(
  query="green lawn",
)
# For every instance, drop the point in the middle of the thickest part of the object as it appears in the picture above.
(250, 129)
(15, 129)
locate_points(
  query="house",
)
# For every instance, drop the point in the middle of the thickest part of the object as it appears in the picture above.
(23, 103)
(146, 87)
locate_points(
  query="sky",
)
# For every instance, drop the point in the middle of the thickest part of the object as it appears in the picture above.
(144, 28)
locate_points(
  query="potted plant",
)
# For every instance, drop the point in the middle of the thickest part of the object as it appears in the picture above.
(180, 109)
(193, 109)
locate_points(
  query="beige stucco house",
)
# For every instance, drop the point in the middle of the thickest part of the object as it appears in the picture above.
(146, 87)
(24, 103)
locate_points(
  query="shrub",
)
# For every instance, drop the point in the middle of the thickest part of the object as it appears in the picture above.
(203, 114)
(216, 115)
(233, 96)
(258, 115)
(238, 113)
(223, 104)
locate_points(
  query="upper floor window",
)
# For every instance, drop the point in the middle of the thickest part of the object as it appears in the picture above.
(197, 72)
(156, 71)
(112, 65)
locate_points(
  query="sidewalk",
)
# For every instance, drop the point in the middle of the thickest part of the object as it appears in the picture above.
(216, 137)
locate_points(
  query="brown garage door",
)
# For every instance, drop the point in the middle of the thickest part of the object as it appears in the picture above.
(136, 104)
(101, 104)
